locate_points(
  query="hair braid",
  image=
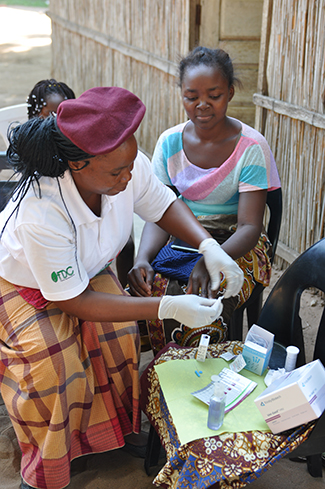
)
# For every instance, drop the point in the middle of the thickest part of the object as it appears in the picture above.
(33, 151)
(37, 148)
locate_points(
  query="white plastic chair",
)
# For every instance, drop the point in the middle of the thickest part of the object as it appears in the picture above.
(13, 113)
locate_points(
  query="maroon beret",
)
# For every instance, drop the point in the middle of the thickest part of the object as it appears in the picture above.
(101, 119)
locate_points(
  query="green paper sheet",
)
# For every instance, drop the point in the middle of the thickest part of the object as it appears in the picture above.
(178, 379)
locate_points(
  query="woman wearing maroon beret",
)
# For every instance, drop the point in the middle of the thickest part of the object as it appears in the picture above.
(69, 344)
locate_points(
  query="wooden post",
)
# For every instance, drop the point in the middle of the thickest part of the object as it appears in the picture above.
(264, 49)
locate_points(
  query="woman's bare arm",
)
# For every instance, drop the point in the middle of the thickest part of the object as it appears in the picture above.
(251, 209)
(100, 306)
(179, 221)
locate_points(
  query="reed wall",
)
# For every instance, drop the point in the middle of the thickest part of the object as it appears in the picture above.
(144, 39)
(137, 44)
(290, 113)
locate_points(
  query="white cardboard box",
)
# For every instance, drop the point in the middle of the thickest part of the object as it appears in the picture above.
(257, 357)
(295, 398)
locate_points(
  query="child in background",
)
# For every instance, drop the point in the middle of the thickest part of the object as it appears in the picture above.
(46, 96)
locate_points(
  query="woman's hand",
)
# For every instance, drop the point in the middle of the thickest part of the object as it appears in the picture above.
(140, 279)
(190, 310)
(216, 261)
(199, 281)
(141, 276)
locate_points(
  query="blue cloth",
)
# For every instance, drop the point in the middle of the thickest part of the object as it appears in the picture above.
(175, 264)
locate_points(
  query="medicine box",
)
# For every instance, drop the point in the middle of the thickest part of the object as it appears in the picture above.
(257, 357)
(295, 398)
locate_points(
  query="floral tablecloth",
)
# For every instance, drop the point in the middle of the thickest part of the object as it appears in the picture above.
(230, 460)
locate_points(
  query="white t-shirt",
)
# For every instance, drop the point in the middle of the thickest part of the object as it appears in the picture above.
(40, 249)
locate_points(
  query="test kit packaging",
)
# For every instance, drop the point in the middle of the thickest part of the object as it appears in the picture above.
(257, 349)
(295, 398)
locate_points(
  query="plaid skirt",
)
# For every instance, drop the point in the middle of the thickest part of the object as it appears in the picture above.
(71, 387)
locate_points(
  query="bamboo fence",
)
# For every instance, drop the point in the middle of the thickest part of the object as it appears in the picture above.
(290, 113)
(90, 38)
(93, 39)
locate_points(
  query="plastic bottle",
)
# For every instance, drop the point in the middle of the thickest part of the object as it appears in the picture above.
(291, 358)
(217, 407)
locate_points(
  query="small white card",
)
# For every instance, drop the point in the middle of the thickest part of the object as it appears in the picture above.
(237, 388)
(227, 355)
(238, 364)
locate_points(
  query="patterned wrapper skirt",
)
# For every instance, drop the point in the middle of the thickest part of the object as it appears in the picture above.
(71, 387)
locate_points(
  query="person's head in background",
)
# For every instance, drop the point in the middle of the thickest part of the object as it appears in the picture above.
(207, 82)
(214, 58)
(46, 96)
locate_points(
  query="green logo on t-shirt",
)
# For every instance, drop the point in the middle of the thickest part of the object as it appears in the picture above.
(54, 277)
(62, 275)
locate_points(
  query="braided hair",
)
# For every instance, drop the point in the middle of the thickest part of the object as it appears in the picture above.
(37, 99)
(38, 148)
(217, 58)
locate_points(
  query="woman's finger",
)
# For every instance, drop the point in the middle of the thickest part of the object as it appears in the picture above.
(138, 280)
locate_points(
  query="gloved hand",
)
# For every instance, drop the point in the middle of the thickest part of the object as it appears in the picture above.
(192, 310)
(216, 261)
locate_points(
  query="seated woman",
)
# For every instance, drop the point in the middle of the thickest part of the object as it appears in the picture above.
(222, 169)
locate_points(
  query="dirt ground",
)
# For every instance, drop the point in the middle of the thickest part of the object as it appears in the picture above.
(25, 58)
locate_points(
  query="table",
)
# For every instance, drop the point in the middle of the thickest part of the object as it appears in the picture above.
(230, 460)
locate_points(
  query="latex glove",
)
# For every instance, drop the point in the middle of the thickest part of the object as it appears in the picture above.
(192, 310)
(216, 261)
